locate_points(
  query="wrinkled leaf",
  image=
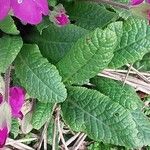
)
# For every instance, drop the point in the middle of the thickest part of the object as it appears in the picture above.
(40, 78)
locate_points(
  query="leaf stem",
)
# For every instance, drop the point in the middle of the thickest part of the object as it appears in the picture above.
(7, 83)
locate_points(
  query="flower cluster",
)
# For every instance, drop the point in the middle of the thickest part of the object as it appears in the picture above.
(16, 101)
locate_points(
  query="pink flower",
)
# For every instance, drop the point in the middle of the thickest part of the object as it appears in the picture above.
(62, 19)
(5, 122)
(58, 16)
(12, 108)
(28, 11)
(1, 99)
(3, 135)
(136, 2)
(16, 101)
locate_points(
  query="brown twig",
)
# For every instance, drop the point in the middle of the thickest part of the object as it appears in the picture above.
(45, 130)
(10, 141)
(60, 129)
(129, 69)
(146, 74)
(139, 74)
(133, 81)
(45, 140)
(43, 134)
(72, 139)
(54, 135)
(19, 146)
(79, 141)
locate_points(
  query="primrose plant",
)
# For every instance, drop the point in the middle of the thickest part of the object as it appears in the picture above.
(74, 74)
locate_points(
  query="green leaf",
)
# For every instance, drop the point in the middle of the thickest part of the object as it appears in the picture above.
(98, 146)
(9, 49)
(8, 26)
(124, 13)
(100, 117)
(40, 78)
(135, 43)
(88, 56)
(90, 15)
(43, 25)
(127, 97)
(55, 42)
(144, 64)
(117, 27)
(102, 146)
(41, 113)
(52, 2)
(106, 119)
(50, 132)
(26, 125)
(15, 127)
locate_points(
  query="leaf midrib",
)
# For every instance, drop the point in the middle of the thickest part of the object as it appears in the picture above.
(52, 91)
(87, 62)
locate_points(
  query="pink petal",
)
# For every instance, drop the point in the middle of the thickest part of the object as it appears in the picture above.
(16, 100)
(43, 6)
(1, 99)
(20, 115)
(27, 11)
(136, 2)
(4, 8)
(62, 19)
(3, 136)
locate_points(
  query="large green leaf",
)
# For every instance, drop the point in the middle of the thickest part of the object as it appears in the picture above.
(106, 118)
(135, 43)
(127, 97)
(55, 42)
(9, 48)
(41, 113)
(90, 15)
(101, 118)
(40, 78)
(8, 26)
(88, 56)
